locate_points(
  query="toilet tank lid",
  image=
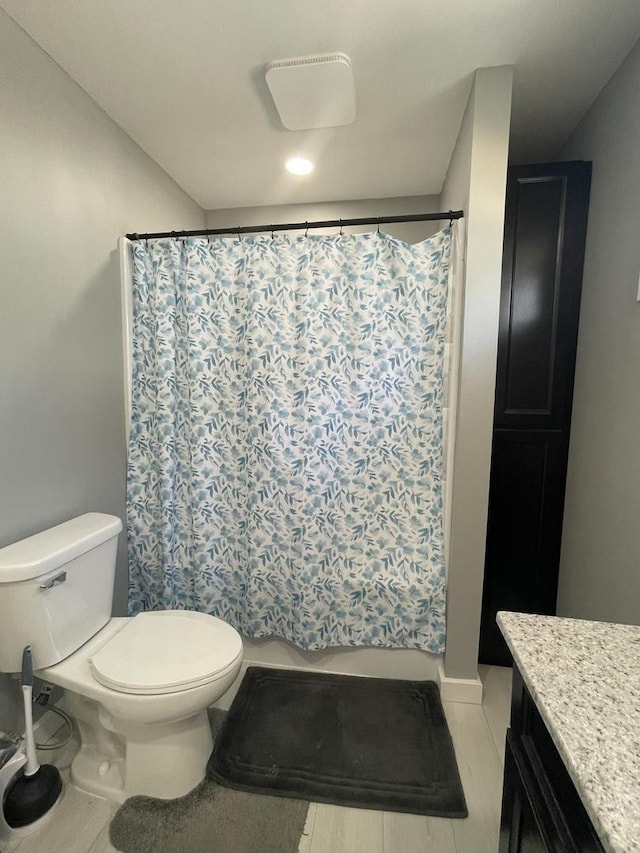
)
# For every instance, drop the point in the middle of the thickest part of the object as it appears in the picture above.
(41, 553)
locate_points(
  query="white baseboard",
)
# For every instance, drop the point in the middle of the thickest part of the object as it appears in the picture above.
(466, 690)
(410, 664)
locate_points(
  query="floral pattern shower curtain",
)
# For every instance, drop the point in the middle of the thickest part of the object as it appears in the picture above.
(286, 441)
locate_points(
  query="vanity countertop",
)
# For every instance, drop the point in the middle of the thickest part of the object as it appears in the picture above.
(584, 678)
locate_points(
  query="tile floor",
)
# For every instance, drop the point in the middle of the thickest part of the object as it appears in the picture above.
(80, 823)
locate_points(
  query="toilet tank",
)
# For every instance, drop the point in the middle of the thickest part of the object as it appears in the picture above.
(56, 589)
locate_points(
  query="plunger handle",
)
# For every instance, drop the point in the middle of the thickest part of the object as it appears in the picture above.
(32, 765)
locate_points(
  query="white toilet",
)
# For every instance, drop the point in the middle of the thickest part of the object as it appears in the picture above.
(137, 687)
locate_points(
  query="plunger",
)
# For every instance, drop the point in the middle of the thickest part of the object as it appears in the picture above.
(37, 789)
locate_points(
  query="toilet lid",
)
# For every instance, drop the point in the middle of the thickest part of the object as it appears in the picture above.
(167, 651)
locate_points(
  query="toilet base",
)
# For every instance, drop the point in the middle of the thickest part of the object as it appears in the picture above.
(117, 759)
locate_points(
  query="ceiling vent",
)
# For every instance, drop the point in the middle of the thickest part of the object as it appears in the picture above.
(313, 91)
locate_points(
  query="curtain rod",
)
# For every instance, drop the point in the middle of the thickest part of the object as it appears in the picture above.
(299, 226)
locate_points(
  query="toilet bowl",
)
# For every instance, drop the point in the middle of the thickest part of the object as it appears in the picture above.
(138, 687)
(138, 691)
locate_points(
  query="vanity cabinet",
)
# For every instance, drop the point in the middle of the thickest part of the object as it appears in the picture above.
(541, 809)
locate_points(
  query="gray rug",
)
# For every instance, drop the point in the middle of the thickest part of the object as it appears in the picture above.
(373, 743)
(210, 818)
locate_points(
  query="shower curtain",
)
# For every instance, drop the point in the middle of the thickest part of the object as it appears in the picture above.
(285, 450)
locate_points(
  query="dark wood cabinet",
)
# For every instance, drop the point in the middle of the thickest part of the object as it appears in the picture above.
(528, 470)
(541, 809)
(545, 231)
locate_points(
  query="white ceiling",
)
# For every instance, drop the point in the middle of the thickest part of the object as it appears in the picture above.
(186, 81)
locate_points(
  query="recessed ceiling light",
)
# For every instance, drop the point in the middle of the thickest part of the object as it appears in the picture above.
(299, 166)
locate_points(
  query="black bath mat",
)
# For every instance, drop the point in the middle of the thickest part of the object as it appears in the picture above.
(373, 743)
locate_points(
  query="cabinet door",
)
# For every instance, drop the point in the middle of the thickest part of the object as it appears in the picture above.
(521, 829)
(545, 227)
(524, 528)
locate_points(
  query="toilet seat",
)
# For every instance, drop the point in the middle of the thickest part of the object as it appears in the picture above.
(166, 652)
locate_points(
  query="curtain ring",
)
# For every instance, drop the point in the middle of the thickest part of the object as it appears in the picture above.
(239, 235)
(306, 230)
(272, 234)
(378, 231)
(341, 229)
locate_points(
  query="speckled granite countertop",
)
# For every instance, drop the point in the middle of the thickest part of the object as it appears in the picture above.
(585, 680)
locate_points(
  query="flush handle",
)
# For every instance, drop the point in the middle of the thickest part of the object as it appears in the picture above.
(61, 578)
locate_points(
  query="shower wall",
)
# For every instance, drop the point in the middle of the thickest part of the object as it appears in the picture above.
(410, 232)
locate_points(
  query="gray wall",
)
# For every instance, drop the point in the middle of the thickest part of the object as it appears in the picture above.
(410, 232)
(476, 182)
(71, 183)
(600, 561)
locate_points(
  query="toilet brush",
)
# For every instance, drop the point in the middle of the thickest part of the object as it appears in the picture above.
(37, 788)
